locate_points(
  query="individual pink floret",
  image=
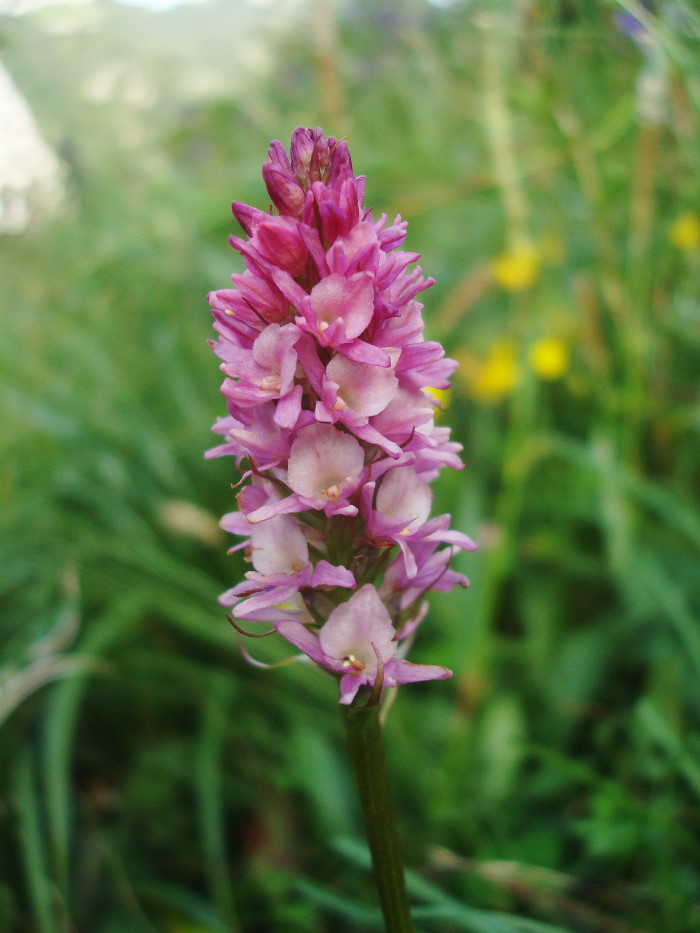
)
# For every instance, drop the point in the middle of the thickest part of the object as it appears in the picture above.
(356, 638)
(325, 465)
(280, 555)
(324, 468)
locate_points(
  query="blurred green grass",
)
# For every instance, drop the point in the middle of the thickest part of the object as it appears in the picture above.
(547, 162)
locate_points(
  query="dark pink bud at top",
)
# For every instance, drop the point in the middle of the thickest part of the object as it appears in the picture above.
(285, 192)
(312, 158)
(309, 153)
(277, 155)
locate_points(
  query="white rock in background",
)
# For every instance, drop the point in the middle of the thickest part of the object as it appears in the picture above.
(31, 175)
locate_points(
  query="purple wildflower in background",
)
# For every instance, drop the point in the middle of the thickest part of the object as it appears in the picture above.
(321, 342)
(631, 26)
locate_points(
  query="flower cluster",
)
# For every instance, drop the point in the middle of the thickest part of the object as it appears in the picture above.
(327, 372)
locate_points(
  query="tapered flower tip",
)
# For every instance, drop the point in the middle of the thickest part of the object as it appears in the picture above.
(309, 154)
(313, 157)
(324, 462)
(285, 191)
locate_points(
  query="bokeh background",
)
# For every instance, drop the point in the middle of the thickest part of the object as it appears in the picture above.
(546, 155)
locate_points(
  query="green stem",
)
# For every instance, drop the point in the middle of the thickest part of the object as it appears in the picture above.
(367, 755)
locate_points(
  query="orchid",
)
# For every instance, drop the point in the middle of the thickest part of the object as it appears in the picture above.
(327, 375)
(328, 383)
(356, 639)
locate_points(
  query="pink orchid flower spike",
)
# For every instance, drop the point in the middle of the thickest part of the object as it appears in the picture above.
(326, 369)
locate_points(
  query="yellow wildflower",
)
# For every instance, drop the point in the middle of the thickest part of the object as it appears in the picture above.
(494, 378)
(441, 396)
(549, 358)
(684, 232)
(517, 269)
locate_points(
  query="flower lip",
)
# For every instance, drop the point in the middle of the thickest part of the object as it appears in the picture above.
(362, 388)
(357, 631)
(359, 642)
(324, 463)
(278, 546)
(403, 494)
(349, 301)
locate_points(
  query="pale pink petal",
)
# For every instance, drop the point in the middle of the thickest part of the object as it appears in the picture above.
(350, 300)
(266, 598)
(290, 504)
(326, 574)
(300, 636)
(235, 523)
(402, 494)
(278, 546)
(289, 408)
(370, 434)
(324, 462)
(363, 352)
(366, 390)
(349, 685)
(398, 671)
(359, 628)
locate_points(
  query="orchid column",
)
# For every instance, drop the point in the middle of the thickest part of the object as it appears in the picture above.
(327, 372)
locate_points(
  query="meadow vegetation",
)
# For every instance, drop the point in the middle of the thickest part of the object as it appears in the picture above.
(547, 157)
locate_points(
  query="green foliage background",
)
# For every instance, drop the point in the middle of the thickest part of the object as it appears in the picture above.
(150, 779)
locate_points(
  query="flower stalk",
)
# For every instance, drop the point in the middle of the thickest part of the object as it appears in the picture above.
(366, 746)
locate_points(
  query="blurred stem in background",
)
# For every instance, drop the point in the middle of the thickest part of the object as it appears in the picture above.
(326, 64)
(500, 28)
